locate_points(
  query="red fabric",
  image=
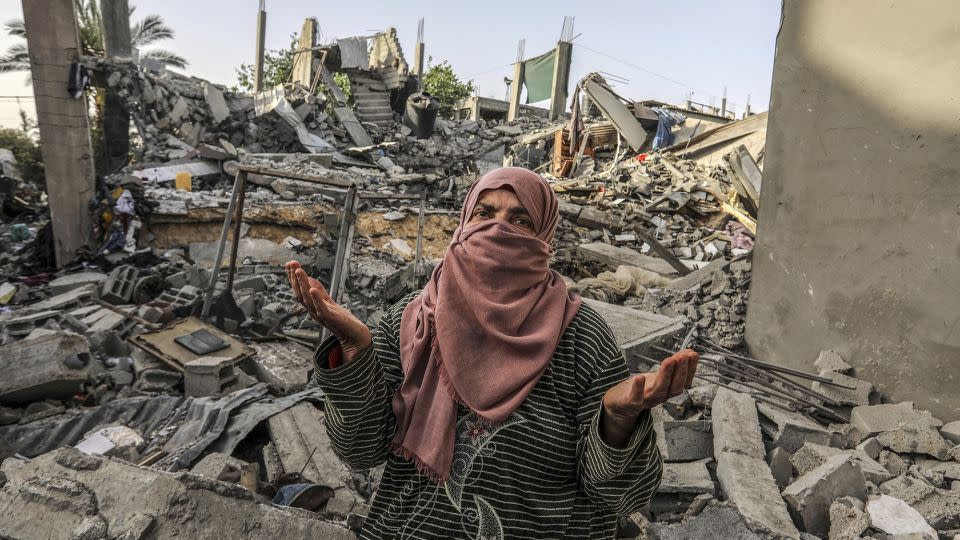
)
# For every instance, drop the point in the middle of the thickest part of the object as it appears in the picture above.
(484, 328)
(335, 358)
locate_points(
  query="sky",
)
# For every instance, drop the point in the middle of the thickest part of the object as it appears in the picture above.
(656, 50)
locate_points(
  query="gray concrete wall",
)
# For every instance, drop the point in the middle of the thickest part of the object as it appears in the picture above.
(859, 233)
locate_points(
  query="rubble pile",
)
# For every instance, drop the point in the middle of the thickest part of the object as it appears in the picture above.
(173, 356)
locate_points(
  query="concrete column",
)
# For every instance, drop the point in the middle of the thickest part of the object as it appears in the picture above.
(858, 249)
(418, 63)
(115, 21)
(64, 132)
(561, 80)
(515, 87)
(303, 60)
(258, 62)
(115, 25)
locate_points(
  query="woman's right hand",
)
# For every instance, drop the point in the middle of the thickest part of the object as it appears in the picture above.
(353, 335)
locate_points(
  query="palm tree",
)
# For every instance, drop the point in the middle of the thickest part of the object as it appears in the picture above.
(145, 32)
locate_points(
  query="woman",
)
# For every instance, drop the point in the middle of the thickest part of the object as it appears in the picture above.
(501, 404)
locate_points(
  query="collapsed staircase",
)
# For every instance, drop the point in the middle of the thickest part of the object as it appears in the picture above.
(372, 99)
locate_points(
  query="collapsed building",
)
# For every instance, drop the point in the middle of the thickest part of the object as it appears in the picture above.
(173, 356)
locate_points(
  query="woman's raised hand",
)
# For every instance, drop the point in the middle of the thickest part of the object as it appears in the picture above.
(353, 335)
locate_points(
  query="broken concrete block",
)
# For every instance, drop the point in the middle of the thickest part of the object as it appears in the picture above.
(747, 483)
(844, 435)
(227, 469)
(895, 517)
(686, 478)
(61, 491)
(117, 441)
(302, 443)
(790, 430)
(637, 331)
(70, 282)
(948, 469)
(209, 376)
(779, 461)
(860, 395)
(570, 211)
(811, 455)
(847, 519)
(687, 440)
(736, 427)
(832, 361)
(916, 441)
(285, 367)
(951, 432)
(218, 106)
(873, 419)
(54, 365)
(871, 447)
(721, 521)
(20, 326)
(613, 256)
(811, 494)
(893, 462)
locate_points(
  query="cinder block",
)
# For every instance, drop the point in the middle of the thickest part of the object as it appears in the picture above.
(118, 288)
(208, 376)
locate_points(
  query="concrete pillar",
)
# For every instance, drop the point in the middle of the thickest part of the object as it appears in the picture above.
(857, 244)
(561, 80)
(418, 63)
(115, 25)
(64, 132)
(115, 22)
(513, 112)
(258, 61)
(303, 60)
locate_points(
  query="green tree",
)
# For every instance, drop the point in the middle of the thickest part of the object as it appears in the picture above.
(441, 81)
(143, 33)
(277, 67)
(27, 153)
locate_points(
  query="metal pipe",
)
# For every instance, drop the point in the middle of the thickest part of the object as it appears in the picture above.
(238, 223)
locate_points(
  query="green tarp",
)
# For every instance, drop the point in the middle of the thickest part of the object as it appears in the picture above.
(538, 76)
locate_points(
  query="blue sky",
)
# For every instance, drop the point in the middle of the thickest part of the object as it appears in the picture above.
(664, 49)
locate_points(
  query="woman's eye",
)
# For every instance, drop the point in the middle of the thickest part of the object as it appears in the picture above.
(523, 222)
(481, 213)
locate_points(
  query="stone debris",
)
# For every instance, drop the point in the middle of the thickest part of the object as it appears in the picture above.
(126, 413)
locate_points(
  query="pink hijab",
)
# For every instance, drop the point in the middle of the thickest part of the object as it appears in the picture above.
(484, 328)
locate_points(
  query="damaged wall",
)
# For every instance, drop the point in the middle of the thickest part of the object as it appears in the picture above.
(859, 248)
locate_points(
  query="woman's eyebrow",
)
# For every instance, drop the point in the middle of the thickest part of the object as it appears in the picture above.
(484, 206)
(518, 210)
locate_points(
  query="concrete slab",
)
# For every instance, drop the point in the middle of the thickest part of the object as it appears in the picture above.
(54, 365)
(860, 395)
(69, 282)
(736, 427)
(637, 331)
(951, 432)
(812, 455)
(924, 440)
(747, 483)
(832, 361)
(296, 433)
(790, 430)
(63, 490)
(714, 522)
(873, 419)
(613, 256)
(895, 517)
(686, 478)
(285, 367)
(811, 495)
(687, 440)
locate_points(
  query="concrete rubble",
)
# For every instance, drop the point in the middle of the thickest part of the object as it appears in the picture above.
(133, 416)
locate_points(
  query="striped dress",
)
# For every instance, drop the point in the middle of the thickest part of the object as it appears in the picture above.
(543, 473)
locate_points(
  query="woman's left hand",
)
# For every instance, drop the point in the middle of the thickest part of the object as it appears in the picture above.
(624, 402)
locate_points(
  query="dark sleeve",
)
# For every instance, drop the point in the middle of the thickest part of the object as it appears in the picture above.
(358, 411)
(621, 479)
